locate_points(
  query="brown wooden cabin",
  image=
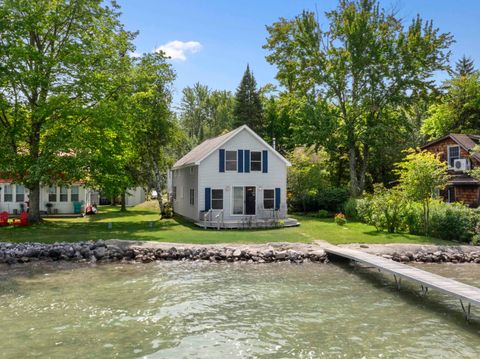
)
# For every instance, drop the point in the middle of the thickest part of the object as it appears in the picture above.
(456, 150)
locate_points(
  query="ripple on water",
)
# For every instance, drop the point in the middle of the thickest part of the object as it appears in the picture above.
(211, 310)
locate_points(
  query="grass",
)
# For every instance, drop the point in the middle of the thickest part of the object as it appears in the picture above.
(135, 225)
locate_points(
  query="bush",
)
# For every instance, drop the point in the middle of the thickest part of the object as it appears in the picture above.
(331, 199)
(322, 213)
(350, 208)
(167, 210)
(453, 221)
(340, 219)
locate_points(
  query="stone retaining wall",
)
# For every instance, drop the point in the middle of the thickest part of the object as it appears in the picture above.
(116, 250)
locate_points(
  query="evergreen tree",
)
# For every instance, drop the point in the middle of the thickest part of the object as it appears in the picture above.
(248, 106)
(464, 67)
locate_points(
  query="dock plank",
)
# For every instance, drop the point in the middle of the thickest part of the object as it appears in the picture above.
(465, 292)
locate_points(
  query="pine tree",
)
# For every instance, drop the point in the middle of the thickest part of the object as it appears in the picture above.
(464, 67)
(248, 106)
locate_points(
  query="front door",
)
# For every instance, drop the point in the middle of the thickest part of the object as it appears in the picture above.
(250, 203)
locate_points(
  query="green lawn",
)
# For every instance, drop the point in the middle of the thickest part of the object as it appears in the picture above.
(135, 225)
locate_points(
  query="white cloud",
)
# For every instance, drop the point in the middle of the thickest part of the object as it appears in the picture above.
(135, 54)
(177, 50)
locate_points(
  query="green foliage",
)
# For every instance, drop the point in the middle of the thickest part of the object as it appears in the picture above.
(248, 105)
(454, 222)
(340, 219)
(458, 110)
(322, 213)
(464, 67)
(349, 77)
(205, 113)
(350, 208)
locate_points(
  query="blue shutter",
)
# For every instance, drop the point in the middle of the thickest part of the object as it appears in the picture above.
(277, 198)
(265, 161)
(208, 199)
(247, 160)
(240, 161)
(221, 161)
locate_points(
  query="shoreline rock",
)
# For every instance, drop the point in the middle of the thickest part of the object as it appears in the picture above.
(145, 252)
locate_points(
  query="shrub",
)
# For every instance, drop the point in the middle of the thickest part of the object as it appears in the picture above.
(322, 213)
(167, 210)
(340, 219)
(453, 221)
(350, 208)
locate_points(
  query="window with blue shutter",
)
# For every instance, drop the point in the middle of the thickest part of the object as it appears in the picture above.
(277, 198)
(208, 199)
(247, 161)
(221, 160)
(265, 161)
(240, 161)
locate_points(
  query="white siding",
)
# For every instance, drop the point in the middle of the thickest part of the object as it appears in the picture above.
(185, 179)
(210, 177)
(135, 196)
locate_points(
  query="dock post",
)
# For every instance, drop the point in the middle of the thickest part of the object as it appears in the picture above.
(466, 311)
(398, 281)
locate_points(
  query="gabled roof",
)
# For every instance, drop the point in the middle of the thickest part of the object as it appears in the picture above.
(467, 142)
(206, 148)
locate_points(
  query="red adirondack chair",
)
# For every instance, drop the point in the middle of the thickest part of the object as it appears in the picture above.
(4, 219)
(22, 221)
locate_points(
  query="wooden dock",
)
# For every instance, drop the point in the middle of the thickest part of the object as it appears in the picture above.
(467, 294)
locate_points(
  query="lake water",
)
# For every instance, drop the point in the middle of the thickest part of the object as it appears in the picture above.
(220, 310)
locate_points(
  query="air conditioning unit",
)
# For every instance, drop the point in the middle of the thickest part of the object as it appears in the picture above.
(461, 164)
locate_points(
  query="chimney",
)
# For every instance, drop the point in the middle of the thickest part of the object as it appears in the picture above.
(274, 143)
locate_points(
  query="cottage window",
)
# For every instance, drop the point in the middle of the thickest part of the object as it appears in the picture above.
(256, 161)
(238, 200)
(268, 198)
(231, 160)
(453, 154)
(217, 198)
(20, 193)
(74, 194)
(63, 194)
(8, 195)
(52, 194)
(174, 194)
(192, 197)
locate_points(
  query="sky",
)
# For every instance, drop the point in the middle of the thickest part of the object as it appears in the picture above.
(211, 41)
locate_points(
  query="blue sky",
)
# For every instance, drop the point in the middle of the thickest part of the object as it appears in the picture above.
(221, 37)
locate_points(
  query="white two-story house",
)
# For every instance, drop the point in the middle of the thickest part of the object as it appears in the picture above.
(234, 180)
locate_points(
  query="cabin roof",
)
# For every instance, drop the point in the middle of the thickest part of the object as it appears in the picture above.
(466, 141)
(207, 147)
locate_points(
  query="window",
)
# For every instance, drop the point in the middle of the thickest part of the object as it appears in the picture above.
(231, 160)
(268, 198)
(192, 170)
(453, 154)
(74, 194)
(192, 197)
(237, 200)
(20, 193)
(217, 198)
(52, 194)
(8, 195)
(255, 161)
(174, 194)
(63, 194)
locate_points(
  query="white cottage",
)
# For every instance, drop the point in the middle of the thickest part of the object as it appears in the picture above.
(234, 180)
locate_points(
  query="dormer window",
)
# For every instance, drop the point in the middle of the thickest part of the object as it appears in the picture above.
(453, 154)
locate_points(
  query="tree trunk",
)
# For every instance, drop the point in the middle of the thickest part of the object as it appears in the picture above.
(34, 203)
(158, 184)
(123, 202)
(352, 161)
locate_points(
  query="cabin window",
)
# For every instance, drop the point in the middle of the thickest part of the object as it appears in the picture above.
(63, 194)
(74, 197)
(20, 194)
(192, 197)
(255, 161)
(453, 154)
(174, 194)
(268, 198)
(238, 200)
(217, 198)
(8, 195)
(192, 170)
(52, 194)
(231, 160)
